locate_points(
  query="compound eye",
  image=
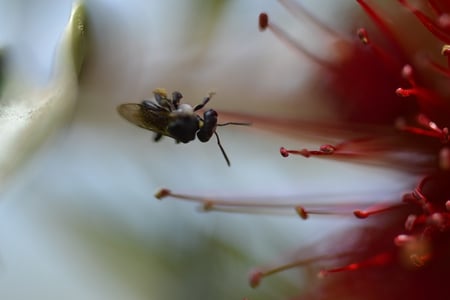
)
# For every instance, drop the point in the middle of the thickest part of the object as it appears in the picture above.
(210, 115)
(209, 126)
(183, 128)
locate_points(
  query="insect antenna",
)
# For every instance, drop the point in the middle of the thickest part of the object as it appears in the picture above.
(235, 123)
(221, 149)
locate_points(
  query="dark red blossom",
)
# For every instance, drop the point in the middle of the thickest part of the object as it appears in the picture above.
(392, 103)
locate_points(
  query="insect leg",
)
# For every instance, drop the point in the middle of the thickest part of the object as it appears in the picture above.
(204, 102)
(223, 150)
(176, 98)
(157, 137)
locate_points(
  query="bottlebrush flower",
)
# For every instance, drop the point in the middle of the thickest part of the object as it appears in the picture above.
(397, 112)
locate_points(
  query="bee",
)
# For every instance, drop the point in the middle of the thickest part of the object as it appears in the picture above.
(171, 118)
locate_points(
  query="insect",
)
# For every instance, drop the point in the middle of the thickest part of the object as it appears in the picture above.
(170, 117)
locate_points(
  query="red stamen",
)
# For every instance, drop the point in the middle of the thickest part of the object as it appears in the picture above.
(270, 206)
(413, 220)
(426, 97)
(437, 67)
(406, 92)
(256, 276)
(377, 209)
(304, 213)
(429, 129)
(427, 22)
(381, 24)
(447, 205)
(263, 21)
(403, 239)
(377, 260)
(283, 36)
(435, 7)
(384, 56)
(299, 11)
(307, 153)
(444, 21)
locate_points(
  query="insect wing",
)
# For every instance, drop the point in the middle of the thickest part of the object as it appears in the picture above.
(152, 118)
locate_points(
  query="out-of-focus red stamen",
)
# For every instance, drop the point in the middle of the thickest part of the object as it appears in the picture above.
(377, 209)
(259, 207)
(435, 7)
(381, 24)
(427, 128)
(386, 58)
(427, 98)
(256, 276)
(325, 150)
(427, 22)
(297, 9)
(264, 23)
(377, 260)
(437, 67)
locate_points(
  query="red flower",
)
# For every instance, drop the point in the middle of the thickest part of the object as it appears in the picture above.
(398, 109)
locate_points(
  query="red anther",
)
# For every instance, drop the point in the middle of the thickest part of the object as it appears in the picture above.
(438, 219)
(360, 214)
(447, 205)
(405, 92)
(263, 21)
(445, 51)
(162, 193)
(255, 278)
(363, 36)
(284, 152)
(413, 220)
(301, 212)
(328, 149)
(407, 72)
(403, 239)
(443, 21)
(208, 205)
(381, 208)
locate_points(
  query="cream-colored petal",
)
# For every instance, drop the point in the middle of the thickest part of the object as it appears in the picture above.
(29, 115)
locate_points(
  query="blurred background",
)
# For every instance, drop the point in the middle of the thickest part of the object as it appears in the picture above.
(79, 220)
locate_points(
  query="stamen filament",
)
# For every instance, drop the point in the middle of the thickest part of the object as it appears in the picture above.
(427, 22)
(268, 208)
(384, 56)
(264, 23)
(435, 7)
(438, 68)
(299, 11)
(381, 24)
(377, 260)
(377, 209)
(256, 276)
